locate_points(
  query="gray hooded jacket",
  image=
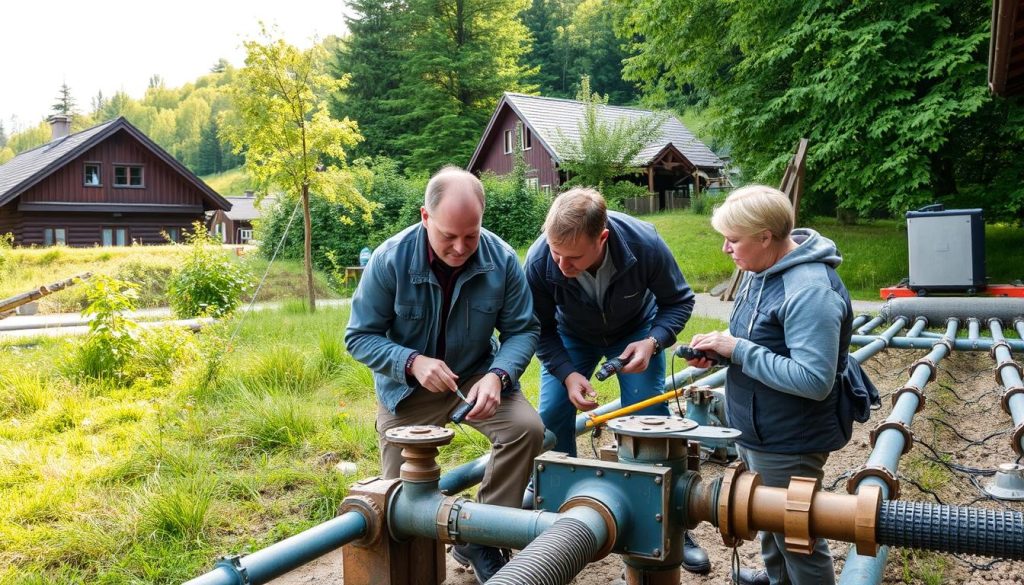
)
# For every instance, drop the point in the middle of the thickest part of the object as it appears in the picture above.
(793, 324)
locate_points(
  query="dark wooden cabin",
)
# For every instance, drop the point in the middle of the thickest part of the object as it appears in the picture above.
(234, 226)
(109, 185)
(1006, 49)
(675, 165)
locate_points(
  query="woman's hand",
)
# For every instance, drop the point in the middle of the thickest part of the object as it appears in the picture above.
(716, 342)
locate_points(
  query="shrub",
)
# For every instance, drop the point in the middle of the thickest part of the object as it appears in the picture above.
(110, 345)
(705, 203)
(160, 351)
(618, 192)
(208, 283)
(515, 211)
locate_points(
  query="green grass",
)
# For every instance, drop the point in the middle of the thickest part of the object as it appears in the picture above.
(150, 267)
(230, 183)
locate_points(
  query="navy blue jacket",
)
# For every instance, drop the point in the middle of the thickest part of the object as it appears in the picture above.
(647, 289)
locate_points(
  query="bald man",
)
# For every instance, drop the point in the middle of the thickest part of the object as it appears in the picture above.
(423, 319)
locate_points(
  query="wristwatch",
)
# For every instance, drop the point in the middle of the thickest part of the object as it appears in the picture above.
(506, 380)
(657, 344)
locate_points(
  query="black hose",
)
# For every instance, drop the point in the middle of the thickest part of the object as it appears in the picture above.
(952, 529)
(553, 558)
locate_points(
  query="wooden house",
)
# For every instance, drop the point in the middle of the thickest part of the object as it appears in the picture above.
(675, 165)
(1006, 49)
(234, 226)
(109, 185)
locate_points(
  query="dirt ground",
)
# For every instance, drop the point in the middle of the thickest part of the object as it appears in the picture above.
(962, 422)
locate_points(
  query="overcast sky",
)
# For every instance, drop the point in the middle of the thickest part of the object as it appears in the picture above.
(112, 45)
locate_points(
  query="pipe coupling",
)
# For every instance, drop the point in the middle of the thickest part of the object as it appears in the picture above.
(1007, 395)
(725, 493)
(797, 519)
(609, 521)
(879, 472)
(996, 345)
(932, 367)
(913, 390)
(234, 563)
(1018, 434)
(371, 512)
(908, 435)
(946, 343)
(1007, 364)
(446, 519)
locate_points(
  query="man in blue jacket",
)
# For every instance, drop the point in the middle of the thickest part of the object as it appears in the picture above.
(423, 319)
(604, 285)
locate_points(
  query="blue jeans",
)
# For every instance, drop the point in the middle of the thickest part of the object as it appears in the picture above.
(559, 413)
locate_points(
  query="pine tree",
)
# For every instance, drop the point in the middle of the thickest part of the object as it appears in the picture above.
(209, 157)
(65, 104)
(463, 55)
(372, 56)
(543, 19)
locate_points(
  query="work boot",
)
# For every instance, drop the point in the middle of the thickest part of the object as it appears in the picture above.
(485, 560)
(695, 559)
(751, 577)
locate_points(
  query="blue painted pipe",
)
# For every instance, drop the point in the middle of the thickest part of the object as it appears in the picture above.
(876, 343)
(860, 320)
(980, 344)
(870, 325)
(887, 451)
(973, 328)
(1009, 377)
(469, 474)
(287, 555)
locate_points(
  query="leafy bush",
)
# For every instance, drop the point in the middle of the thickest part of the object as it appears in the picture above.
(160, 351)
(208, 283)
(705, 203)
(515, 211)
(110, 345)
(618, 192)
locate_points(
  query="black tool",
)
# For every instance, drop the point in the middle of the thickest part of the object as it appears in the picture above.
(608, 368)
(461, 412)
(688, 353)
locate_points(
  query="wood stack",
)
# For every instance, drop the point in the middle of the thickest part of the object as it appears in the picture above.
(10, 305)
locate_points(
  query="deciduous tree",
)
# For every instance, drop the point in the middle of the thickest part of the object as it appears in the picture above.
(290, 139)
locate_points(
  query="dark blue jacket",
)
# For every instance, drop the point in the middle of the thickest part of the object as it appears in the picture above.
(647, 290)
(784, 389)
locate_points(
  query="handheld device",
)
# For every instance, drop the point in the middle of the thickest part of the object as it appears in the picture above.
(460, 413)
(608, 368)
(688, 353)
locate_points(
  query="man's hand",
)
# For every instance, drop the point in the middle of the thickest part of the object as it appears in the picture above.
(487, 394)
(716, 342)
(434, 374)
(637, 356)
(581, 393)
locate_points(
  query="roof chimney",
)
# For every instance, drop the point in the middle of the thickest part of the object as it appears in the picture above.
(60, 126)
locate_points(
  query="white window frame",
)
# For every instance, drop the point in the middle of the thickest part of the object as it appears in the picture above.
(244, 235)
(546, 189)
(99, 174)
(55, 236)
(533, 183)
(508, 140)
(525, 138)
(113, 240)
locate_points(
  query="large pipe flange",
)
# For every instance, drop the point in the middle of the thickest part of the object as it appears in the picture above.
(933, 368)
(797, 520)
(609, 521)
(908, 435)
(1007, 395)
(371, 511)
(996, 345)
(729, 477)
(447, 514)
(877, 471)
(921, 399)
(869, 502)
(743, 505)
(419, 445)
(945, 343)
(1018, 434)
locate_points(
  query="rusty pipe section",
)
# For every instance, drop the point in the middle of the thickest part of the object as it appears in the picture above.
(740, 506)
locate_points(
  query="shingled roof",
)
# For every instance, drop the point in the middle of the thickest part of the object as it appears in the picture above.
(244, 208)
(32, 166)
(545, 116)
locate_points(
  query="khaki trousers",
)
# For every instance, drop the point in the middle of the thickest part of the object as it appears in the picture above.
(515, 431)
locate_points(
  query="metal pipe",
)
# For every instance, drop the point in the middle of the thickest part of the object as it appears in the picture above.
(1013, 386)
(469, 474)
(559, 554)
(973, 328)
(860, 320)
(870, 325)
(889, 446)
(938, 309)
(980, 344)
(277, 559)
(878, 342)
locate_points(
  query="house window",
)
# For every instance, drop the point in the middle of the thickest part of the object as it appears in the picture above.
(115, 236)
(533, 183)
(546, 189)
(526, 138)
(92, 175)
(127, 176)
(508, 141)
(55, 237)
(244, 236)
(173, 234)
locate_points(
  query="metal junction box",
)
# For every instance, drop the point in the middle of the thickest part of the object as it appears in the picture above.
(946, 249)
